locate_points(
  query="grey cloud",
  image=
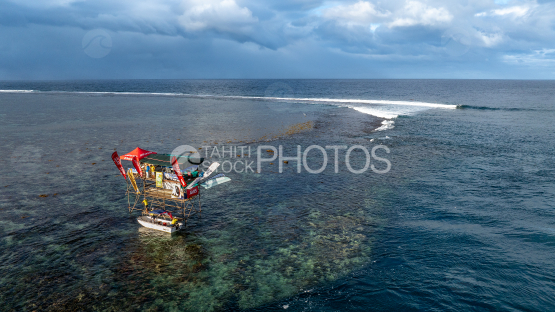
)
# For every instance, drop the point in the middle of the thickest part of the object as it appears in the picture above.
(155, 34)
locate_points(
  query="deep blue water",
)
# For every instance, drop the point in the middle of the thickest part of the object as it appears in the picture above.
(464, 220)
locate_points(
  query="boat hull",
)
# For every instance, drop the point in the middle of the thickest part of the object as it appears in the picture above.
(154, 224)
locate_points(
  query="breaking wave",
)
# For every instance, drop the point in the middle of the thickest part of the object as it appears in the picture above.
(386, 125)
(17, 91)
(387, 109)
(493, 108)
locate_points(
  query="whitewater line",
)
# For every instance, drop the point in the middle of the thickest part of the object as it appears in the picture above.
(320, 100)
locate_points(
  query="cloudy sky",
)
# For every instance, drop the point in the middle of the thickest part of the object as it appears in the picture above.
(79, 39)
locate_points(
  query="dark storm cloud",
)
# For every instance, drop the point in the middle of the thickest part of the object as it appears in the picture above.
(291, 38)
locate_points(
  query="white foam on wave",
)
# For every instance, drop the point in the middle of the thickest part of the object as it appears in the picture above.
(386, 125)
(387, 109)
(17, 91)
(382, 112)
(99, 92)
(394, 109)
(359, 101)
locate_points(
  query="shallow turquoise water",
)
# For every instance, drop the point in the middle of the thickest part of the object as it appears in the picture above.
(464, 220)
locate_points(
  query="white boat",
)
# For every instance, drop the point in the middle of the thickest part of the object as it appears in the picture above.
(159, 224)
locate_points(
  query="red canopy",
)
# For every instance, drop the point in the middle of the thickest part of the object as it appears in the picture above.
(138, 152)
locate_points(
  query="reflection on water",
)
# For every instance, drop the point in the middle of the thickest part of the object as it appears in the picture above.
(251, 265)
(463, 220)
(262, 237)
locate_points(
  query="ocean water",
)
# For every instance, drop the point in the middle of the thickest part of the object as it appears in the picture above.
(463, 220)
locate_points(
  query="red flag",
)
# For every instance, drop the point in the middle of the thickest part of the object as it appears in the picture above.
(117, 161)
(137, 166)
(192, 192)
(178, 171)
